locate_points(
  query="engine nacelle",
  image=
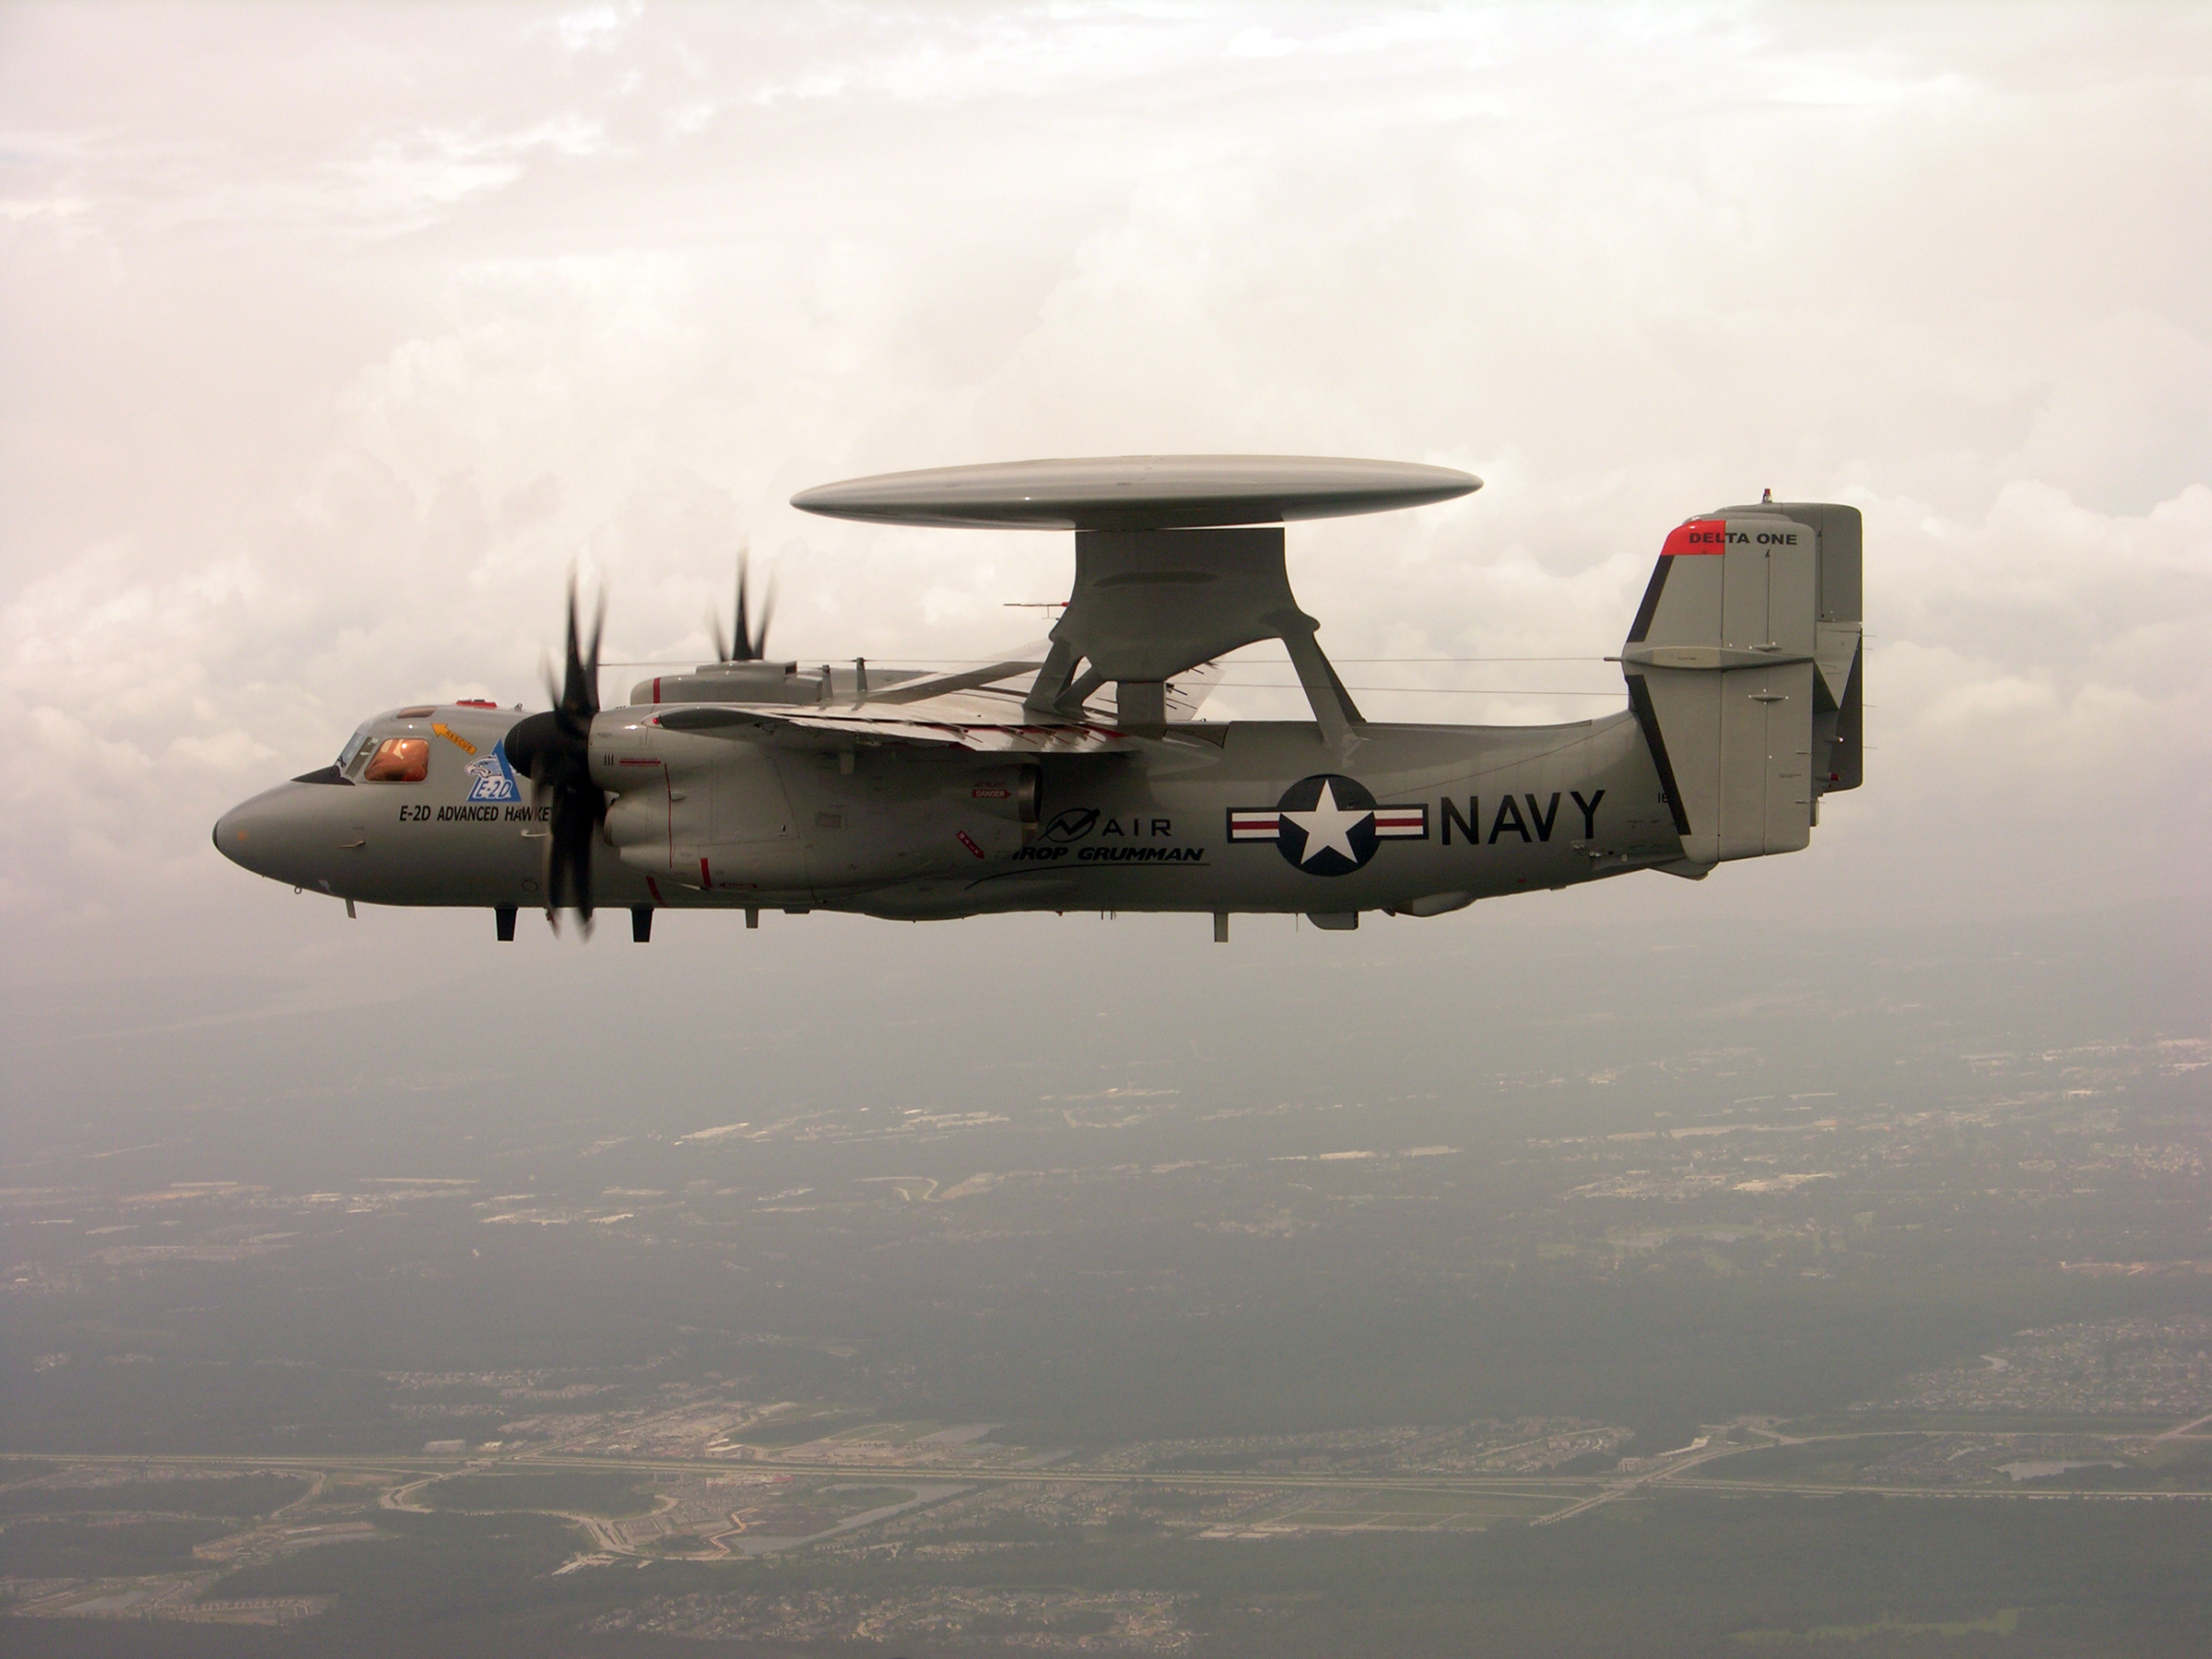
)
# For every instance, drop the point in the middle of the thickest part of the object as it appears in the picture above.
(901, 814)
(728, 814)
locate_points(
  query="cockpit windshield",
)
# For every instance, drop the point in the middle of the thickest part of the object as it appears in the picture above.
(399, 760)
(355, 745)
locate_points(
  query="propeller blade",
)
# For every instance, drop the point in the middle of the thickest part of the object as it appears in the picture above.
(767, 611)
(580, 685)
(741, 638)
(553, 749)
(744, 643)
(577, 812)
(591, 660)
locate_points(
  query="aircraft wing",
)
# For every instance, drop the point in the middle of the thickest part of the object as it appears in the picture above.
(1184, 695)
(834, 728)
(1187, 692)
(963, 710)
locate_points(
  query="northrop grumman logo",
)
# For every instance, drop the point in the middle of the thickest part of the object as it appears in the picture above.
(1072, 825)
(1328, 824)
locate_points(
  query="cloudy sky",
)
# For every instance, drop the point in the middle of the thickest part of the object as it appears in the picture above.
(332, 338)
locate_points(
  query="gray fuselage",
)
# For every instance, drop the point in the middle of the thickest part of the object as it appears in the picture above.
(1202, 819)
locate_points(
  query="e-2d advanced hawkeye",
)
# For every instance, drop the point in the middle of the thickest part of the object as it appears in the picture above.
(1077, 776)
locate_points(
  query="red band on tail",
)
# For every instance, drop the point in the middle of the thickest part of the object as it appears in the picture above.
(1699, 535)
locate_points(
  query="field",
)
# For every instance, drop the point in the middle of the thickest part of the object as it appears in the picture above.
(1377, 1510)
(563, 1492)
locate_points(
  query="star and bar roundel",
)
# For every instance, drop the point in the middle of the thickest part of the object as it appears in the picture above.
(1328, 824)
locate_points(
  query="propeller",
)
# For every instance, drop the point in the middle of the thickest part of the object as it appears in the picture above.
(554, 750)
(743, 644)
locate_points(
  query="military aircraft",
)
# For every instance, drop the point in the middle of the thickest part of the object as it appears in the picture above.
(1078, 776)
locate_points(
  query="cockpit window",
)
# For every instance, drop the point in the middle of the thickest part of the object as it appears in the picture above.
(399, 760)
(355, 746)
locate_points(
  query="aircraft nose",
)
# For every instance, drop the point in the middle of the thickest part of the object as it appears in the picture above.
(271, 833)
(236, 838)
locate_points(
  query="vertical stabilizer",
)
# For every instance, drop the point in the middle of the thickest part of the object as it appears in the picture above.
(1742, 670)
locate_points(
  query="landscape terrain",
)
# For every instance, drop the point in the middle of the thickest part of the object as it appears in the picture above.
(1540, 1292)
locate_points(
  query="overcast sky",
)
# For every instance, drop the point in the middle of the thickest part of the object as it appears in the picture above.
(334, 336)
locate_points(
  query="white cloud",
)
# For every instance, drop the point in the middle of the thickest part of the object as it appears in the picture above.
(1260, 41)
(595, 28)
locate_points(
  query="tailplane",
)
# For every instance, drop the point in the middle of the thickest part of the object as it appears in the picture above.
(1743, 668)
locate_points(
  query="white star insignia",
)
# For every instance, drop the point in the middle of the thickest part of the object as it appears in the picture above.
(1329, 827)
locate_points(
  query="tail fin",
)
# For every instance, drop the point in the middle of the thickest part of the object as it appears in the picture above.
(1744, 671)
